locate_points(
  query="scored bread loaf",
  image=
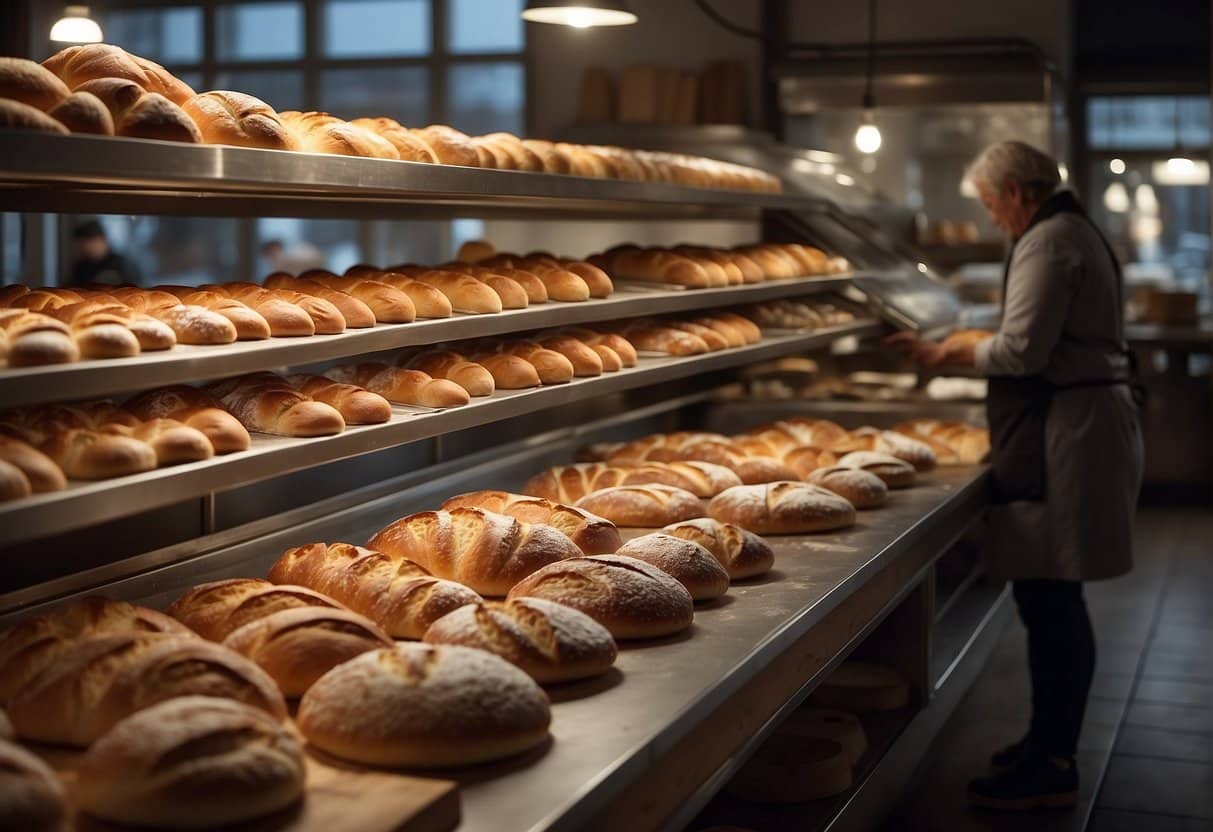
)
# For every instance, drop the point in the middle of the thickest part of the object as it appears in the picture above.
(684, 560)
(79, 64)
(298, 646)
(164, 767)
(172, 441)
(250, 324)
(323, 133)
(267, 403)
(357, 315)
(896, 473)
(84, 454)
(356, 405)
(452, 366)
(742, 553)
(917, 453)
(31, 796)
(644, 506)
(466, 293)
(409, 146)
(480, 549)
(425, 706)
(195, 408)
(593, 535)
(549, 641)
(97, 682)
(631, 598)
(860, 488)
(389, 304)
(569, 483)
(782, 508)
(325, 315)
(395, 593)
(402, 386)
(427, 301)
(217, 609)
(234, 118)
(196, 324)
(283, 318)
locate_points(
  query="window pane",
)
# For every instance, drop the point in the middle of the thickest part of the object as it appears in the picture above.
(259, 31)
(401, 93)
(296, 245)
(358, 28)
(170, 36)
(1148, 121)
(281, 89)
(186, 250)
(485, 26)
(483, 98)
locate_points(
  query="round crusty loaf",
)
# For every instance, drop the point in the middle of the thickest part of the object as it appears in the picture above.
(549, 641)
(861, 688)
(631, 598)
(644, 506)
(217, 609)
(828, 724)
(195, 762)
(30, 83)
(742, 553)
(685, 561)
(31, 646)
(896, 473)
(424, 706)
(860, 488)
(906, 448)
(782, 508)
(787, 769)
(31, 796)
(98, 682)
(298, 646)
(593, 535)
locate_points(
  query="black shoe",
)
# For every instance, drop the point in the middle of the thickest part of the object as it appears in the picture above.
(1009, 757)
(1036, 783)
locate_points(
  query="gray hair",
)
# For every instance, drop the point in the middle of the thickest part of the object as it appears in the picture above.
(1034, 171)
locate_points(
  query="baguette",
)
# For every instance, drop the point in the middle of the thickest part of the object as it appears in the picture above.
(196, 324)
(395, 593)
(485, 551)
(402, 386)
(217, 609)
(84, 454)
(444, 364)
(593, 535)
(173, 442)
(268, 404)
(551, 367)
(511, 372)
(322, 133)
(664, 339)
(326, 317)
(357, 315)
(684, 560)
(466, 293)
(585, 361)
(250, 324)
(645, 506)
(284, 319)
(427, 301)
(782, 508)
(570, 483)
(389, 304)
(409, 147)
(742, 553)
(356, 406)
(195, 408)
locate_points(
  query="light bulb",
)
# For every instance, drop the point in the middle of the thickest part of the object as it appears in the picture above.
(1181, 166)
(1117, 166)
(76, 27)
(1116, 198)
(867, 138)
(580, 18)
(1146, 200)
(1063, 172)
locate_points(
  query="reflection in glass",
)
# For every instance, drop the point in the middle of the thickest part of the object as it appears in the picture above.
(485, 26)
(361, 28)
(401, 93)
(486, 97)
(169, 36)
(259, 31)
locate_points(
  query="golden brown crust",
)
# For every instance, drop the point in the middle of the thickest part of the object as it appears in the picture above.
(782, 508)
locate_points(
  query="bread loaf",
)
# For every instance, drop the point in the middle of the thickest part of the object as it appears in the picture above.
(652, 266)
(592, 535)
(31, 796)
(96, 683)
(427, 301)
(449, 145)
(584, 360)
(862, 489)
(397, 594)
(35, 339)
(409, 147)
(473, 251)
(889, 442)
(83, 112)
(355, 313)
(551, 367)
(90, 455)
(266, 403)
(485, 551)
(444, 364)
(41, 472)
(298, 646)
(13, 483)
(466, 293)
(195, 408)
(31, 83)
(356, 406)
(217, 609)
(782, 508)
(250, 324)
(233, 118)
(17, 116)
(196, 324)
(787, 769)
(140, 114)
(645, 506)
(79, 64)
(896, 473)
(282, 318)
(828, 724)
(628, 597)
(536, 291)
(806, 459)
(425, 706)
(326, 317)
(401, 386)
(322, 133)
(512, 372)
(861, 688)
(742, 553)
(195, 762)
(686, 561)
(549, 641)
(173, 442)
(663, 339)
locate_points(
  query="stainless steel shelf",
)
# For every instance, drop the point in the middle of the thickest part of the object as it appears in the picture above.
(184, 363)
(84, 504)
(76, 174)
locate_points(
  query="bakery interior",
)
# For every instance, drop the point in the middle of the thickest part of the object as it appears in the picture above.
(479, 414)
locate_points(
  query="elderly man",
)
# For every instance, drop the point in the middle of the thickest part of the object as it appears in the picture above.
(1066, 458)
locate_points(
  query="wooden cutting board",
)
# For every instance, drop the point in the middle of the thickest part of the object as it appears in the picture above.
(338, 797)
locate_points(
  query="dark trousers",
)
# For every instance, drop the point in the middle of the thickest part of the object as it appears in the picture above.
(1061, 658)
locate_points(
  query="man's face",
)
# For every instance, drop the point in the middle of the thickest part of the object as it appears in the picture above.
(93, 248)
(1009, 210)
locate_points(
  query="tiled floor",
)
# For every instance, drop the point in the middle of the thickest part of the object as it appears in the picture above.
(1146, 754)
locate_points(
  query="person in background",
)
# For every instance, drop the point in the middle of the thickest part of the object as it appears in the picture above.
(270, 259)
(1066, 452)
(94, 261)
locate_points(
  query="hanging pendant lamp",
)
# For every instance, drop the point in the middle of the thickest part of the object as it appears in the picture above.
(580, 14)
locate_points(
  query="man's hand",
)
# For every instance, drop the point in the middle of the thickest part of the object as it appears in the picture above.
(930, 354)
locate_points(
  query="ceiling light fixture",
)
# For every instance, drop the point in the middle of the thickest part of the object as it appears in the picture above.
(867, 137)
(76, 27)
(582, 14)
(1117, 166)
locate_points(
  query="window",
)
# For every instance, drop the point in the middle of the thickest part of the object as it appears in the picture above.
(284, 87)
(367, 28)
(400, 92)
(168, 36)
(486, 97)
(259, 31)
(477, 26)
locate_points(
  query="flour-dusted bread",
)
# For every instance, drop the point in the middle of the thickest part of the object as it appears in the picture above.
(217, 609)
(569, 483)
(425, 706)
(397, 594)
(861, 688)
(551, 642)
(480, 549)
(742, 553)
(644, 506)
(194, 762)
(906, 448)
(685, 561)
(782, 508)
(31, 796)
(298, 646)
(631, 598)
(98, 682)
(896, 473)
(593, 535)
(860, 488)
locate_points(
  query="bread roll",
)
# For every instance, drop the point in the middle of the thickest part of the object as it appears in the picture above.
(173, 442)
(598, 281)
(611, 361)
(322, 133)
(13, 483)
(31, 83)
(550, 366)
(357, 315)
(644, 506)
(408, 146)
(889, 442)
(140, 114)
(397, 594)
(216, 609)
(485, 551)
(31, 796)
(356, 406)
(862, 489)
(742, 553)
(473, 251)
(250, 324)
(90, 455)
(79, 64)
(663, 339)
(512, 372)
(233, 118)
(895, 472)
(687, 562)
(43, 474)
(449, 145)
(536, 291)
(402, 386)
(445, 364)
(549, 641)
(298, 646)
(17, 116)
(466, 293)
(197, 324)
(327, 318)
(782, 508)
(165, 766)
(787, 769)
(827, 724)
(632, 599)
(425, 706)
(427, 301)
(592, 535)
(585, 361)
(195, 408)
(862, 688)
(96, 683)
(83, 112)
(266, 403)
